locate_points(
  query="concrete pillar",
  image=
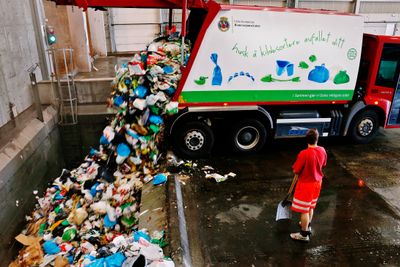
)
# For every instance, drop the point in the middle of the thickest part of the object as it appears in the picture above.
(97, 32)
(79, 38)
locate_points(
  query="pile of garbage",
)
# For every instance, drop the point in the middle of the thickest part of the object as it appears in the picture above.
(89, 216)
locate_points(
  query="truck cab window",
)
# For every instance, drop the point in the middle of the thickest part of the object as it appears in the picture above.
(389, 66)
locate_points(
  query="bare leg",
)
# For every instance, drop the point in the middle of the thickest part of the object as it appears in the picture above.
(311, 215)
(305, 220)
(304, 234)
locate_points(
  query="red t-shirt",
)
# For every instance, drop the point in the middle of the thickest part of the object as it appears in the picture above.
(309, 164)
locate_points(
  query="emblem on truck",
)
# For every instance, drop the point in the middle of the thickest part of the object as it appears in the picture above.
(223, 24)
(352, 54)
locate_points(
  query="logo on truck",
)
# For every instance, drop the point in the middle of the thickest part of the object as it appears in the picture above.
(352, 54)
(223, 24)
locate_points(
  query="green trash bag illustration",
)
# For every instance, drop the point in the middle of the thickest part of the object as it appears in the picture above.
(303, 65)
(341, 78)
(312, 58)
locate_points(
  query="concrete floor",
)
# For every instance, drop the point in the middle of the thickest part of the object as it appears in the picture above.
(233, 223)
(105, 68)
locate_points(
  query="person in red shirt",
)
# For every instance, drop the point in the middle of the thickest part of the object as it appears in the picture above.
(308, 168)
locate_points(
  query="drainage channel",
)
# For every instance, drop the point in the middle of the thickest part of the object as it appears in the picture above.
(187, 262)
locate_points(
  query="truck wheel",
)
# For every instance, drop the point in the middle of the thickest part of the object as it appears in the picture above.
(248, 135)
(364, 127)
(194, 139)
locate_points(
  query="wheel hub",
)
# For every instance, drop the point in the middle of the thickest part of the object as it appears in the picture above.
(194, 140)
(247, 137)
(365, 127)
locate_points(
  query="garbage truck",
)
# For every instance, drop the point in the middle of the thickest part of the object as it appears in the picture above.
(271, 72)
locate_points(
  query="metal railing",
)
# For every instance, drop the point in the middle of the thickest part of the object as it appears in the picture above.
(63, 76)
(35, 91)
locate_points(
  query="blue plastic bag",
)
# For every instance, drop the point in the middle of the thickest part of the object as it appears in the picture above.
(96, 263)
(108, 223)
(103, 140)
(140, 91)
(154, 119)
(51, 247)
(93, 190)
(138, 234)
(159, 179)
(168, 69)
(115, 260)
(123, 150)
(118, 101)
(170, 91)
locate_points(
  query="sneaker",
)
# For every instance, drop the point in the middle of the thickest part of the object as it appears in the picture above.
(300, 237)
(309, 228)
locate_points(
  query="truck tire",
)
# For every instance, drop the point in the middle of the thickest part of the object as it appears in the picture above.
(364, 126)
(193, 139)
(248, 136)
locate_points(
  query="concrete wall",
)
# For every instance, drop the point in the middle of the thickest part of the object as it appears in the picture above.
(18, 51)
(78, 139)
(134, 28)
(27, 163)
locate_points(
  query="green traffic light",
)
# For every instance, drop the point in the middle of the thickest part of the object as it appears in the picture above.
(52, 39)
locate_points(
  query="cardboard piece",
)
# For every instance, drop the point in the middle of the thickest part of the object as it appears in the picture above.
(61, 262)
(27, 240)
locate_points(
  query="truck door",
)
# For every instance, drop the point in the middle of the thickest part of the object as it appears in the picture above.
(387, 79)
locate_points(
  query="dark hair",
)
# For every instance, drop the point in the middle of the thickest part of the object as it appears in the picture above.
(312, 136)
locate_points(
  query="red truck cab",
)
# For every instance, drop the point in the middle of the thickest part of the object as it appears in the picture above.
(378, 79)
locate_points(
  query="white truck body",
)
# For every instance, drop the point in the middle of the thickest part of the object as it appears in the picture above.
(318, 57)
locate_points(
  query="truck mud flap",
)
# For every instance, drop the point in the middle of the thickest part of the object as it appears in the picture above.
(337, 119)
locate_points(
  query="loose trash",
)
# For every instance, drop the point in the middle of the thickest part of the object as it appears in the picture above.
(183, 178)
(31, 255)
(220, 178)
(51, 247)
(207, 168)
(159, 179)
(89, 216)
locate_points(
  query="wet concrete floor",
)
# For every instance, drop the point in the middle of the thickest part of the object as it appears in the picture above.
(105, 67)
(232, 223)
